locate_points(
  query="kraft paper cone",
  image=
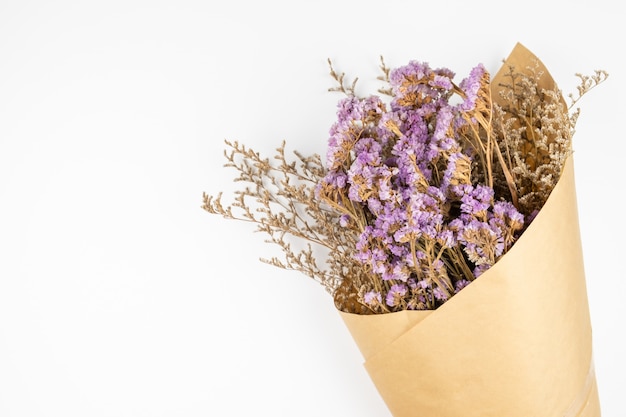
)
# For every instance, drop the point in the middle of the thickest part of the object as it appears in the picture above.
(516, 342)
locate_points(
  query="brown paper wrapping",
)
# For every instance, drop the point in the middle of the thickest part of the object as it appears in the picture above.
(516, 342)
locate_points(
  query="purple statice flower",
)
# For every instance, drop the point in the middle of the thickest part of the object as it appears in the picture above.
(353, 115)
(349, 142)
(413, 123)
(364, 173)
(389, 125)
(373, 105)
(386, 190)
(390, 217)
(508, 220)
(477, 201)
(335, 179)
(506, 211)
(413, 170)
(480, 269)
(423, 216)
(376, 249)
(368, 151)
(471, 86)
(418, 84)
(442, 140)
(440, 295)
(420, 257)
(361, 178)
(446, 238)
(397, 270)
(482, 242)
(442, 80)
(366, 253)
(341, 137)
(354, 108)
(404, 79)
(460, 284)
(399, 250)
(348, 109)
(372, 298)
(456, 175)
(395, 295)
(485, 230)
(344, 220)
(428, 223)
(375, 206)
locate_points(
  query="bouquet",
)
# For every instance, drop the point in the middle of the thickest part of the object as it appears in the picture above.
(443, 223)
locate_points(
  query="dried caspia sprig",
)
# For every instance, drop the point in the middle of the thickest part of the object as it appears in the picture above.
(587, 83)
(279, 198)
(342, 86)
(535, 130)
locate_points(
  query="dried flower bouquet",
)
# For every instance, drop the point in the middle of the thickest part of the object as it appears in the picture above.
(433, 200)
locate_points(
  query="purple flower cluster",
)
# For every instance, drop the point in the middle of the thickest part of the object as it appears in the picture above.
(401, 173)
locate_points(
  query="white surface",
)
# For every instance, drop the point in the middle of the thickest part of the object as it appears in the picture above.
(120, 297)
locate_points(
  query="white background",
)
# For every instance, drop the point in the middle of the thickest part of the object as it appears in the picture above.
(120, 297)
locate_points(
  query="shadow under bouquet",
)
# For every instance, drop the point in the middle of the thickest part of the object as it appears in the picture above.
(443, 222)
